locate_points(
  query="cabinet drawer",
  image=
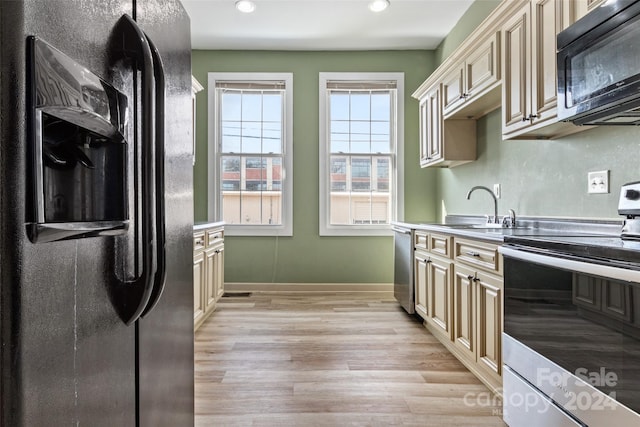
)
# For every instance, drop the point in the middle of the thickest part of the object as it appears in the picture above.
(440, 244)
(421, 240)
(214, 236)
(198, 241)
(478, 254)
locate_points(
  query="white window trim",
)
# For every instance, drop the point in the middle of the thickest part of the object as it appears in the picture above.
(397, 202)
(214, 209)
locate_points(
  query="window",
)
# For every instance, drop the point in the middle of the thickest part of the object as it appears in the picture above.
(251, 152)
(361, 134)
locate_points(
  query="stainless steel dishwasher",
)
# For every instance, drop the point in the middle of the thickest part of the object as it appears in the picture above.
(403, 268)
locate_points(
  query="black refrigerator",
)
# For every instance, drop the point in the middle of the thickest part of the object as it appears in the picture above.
(96, 213)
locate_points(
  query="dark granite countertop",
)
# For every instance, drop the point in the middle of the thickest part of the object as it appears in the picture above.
(474, 227)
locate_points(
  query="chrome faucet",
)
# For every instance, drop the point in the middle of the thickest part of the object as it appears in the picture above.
(509, 221)
(495, 219)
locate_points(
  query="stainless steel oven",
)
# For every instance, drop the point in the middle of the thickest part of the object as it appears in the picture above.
(571, 342)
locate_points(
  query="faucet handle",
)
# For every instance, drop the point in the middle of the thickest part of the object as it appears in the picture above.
(510, 219)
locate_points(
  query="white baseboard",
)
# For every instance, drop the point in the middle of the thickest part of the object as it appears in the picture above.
(308, 287)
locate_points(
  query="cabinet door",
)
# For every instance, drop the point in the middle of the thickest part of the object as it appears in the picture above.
(464, 310)
(616, 300)
(453, 90)
(211, 255)
(547, 21)
(420, 263)
(516, 84)
(586, 291)
(219, 284)
(482, 67)
(439, 294)
(199, 280)
(432, 128)
(489, 329)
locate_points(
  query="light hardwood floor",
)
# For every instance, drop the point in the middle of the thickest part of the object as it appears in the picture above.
(348, 359)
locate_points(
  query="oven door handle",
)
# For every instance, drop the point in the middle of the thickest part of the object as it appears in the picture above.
(616, 273)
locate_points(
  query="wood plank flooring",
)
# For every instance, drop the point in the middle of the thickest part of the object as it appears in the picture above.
(345, 359)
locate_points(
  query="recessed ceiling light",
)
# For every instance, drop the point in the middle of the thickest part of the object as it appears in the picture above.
(378, 5)
(245, 6)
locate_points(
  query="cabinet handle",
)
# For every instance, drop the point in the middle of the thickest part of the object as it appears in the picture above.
(470, 277)
(470, 253)
(199, 242)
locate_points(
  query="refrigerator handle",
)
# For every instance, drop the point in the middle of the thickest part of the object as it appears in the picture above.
(161, 273)
(134, 295)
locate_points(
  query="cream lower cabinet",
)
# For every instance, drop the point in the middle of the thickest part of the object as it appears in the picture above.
(459, 294)
(477, 324)
(199, 280)
(420, 275)
(208, 272)
(433, 281)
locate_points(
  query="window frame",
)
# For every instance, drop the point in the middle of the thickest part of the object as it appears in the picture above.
(395, 174)
(215, 182)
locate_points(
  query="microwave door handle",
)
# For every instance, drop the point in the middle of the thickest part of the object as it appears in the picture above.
(161, 272)
(132, 296)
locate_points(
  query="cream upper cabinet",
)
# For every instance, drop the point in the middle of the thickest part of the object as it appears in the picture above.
(195, 88)
(431, 127)
(582, 7)
(466, 87)
(529, 89)
(445, 143)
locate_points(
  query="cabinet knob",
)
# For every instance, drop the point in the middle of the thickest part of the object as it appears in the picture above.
(470, 253)
(470, 277)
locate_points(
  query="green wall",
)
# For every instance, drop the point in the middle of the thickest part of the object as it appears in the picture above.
(542, 178)
(306, 257)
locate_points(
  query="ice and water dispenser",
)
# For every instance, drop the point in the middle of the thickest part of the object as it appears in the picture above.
(78, 155)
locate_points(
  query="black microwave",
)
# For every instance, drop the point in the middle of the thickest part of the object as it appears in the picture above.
(598, 61)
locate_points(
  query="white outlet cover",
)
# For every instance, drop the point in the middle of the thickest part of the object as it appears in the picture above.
(496, 190)
(598, 182)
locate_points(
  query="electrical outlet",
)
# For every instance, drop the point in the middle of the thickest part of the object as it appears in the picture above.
(496, 190)
(598, 182)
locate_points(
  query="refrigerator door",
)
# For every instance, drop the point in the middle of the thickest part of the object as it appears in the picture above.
(67, 358)
(166, 333)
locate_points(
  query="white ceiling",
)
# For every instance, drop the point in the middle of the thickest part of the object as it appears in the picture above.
(322, 24)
